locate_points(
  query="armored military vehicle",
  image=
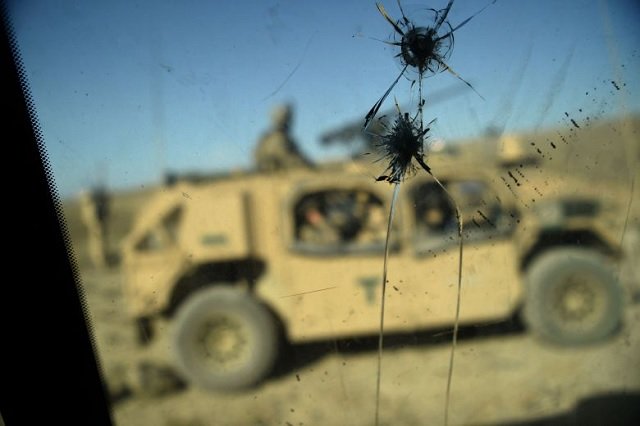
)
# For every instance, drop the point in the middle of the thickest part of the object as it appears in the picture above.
(241, 263)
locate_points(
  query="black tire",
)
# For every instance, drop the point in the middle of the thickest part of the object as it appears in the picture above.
(224, 339)
(572, 297)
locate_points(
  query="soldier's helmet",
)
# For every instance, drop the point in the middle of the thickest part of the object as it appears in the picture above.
(281, 115)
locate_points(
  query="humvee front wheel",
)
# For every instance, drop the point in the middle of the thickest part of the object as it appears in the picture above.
(224, 339)
(572, 297)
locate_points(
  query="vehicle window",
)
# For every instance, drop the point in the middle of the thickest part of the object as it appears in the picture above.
(434, 212)
(171, 224)
(436, 224)
(152, 241)
(163, 235)
(480, 207)
(351, 220)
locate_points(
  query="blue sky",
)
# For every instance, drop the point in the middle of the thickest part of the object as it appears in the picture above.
(127, 89)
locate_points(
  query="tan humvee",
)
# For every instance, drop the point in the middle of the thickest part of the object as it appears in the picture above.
(234, 267)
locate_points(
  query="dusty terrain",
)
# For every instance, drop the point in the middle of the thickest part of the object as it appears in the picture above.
(502, 376)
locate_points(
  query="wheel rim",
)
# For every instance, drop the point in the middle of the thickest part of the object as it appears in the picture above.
(222, 343)
(578, 302)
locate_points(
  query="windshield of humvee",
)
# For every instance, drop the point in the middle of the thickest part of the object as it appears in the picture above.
(226, 171)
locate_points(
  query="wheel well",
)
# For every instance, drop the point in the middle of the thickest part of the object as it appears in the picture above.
(577, 239)
(244, 271)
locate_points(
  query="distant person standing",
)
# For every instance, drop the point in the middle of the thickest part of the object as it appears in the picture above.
(276, 149)
(94, 208)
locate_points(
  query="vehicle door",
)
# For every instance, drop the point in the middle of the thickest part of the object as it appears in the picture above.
(335, 257)
(152, 257)
(424, 280)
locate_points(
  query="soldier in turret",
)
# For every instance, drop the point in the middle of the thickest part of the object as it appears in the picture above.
(276, 149)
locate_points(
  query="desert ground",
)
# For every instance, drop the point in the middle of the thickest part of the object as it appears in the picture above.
(502, 375)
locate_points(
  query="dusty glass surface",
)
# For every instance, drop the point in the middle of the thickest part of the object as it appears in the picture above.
(228, 214)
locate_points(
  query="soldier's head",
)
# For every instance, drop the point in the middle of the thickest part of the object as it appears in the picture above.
(312, 213)
(281, 116)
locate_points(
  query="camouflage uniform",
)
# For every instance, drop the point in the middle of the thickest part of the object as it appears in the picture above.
(374, 229)
(316, 229)
(276, 149)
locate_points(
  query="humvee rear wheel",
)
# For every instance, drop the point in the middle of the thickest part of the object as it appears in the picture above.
(224, 339)
(572, 297)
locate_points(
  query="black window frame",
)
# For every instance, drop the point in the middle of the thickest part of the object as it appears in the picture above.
(49, 364)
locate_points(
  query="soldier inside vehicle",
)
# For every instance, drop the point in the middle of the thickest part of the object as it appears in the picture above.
(341, 217)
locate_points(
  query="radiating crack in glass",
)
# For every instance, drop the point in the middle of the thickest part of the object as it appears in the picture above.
(402, 143)
(424, 50)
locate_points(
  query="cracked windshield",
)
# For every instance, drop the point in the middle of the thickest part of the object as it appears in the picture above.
(353, 213)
